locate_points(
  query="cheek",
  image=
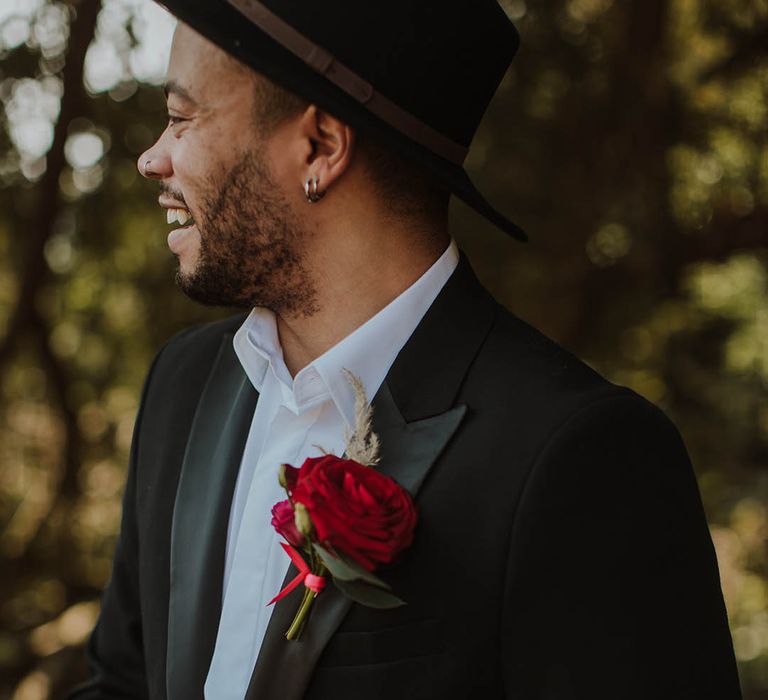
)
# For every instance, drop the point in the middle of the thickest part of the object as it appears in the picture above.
(190, 162)
(193, 170)
(202, 163)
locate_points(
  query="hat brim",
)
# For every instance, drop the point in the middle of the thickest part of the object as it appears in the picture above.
(227, 28)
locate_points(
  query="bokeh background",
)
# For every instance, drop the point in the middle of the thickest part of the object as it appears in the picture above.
(630, 139)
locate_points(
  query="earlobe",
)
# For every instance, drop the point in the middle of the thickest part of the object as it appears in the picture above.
(312, 190)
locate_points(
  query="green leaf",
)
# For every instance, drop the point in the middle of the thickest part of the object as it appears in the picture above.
(368, 595)
(346, 570)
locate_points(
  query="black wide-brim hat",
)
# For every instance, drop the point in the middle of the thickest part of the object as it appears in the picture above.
(416, 76)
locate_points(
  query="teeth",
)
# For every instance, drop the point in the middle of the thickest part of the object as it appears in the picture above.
(180, 215)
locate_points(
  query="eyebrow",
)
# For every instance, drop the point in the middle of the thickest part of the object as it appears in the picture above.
(173, 87)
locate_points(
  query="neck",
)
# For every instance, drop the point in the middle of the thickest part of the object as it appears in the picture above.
(354, 280)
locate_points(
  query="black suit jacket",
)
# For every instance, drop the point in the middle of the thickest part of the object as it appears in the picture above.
(562, 551)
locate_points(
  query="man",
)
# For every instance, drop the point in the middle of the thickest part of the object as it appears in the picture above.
(561, 550)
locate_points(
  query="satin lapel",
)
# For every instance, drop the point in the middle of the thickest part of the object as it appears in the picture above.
(200, 518)
(408, 450)
(284, 669)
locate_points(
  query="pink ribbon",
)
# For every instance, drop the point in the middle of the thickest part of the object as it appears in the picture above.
(312, 581)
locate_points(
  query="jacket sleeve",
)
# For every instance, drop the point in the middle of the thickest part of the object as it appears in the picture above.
(115, 649)
(612, 588)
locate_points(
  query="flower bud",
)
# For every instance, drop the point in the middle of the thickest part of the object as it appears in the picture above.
(284, 522)
(281, 476)
(302, 519)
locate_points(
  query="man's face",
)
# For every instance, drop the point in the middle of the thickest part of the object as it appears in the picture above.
(245, 245)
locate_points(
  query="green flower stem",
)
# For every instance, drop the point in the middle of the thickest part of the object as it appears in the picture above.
(298, 622)
(294, 631)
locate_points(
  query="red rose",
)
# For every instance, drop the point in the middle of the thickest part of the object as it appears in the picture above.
(356, 510)
(283, 521)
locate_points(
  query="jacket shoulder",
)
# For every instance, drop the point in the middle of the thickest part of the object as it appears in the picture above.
(527, 378)
(521, 353)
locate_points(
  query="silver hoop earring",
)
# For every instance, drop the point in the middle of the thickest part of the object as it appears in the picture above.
(311, 191)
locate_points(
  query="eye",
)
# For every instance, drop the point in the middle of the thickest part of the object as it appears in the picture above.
(175, 120)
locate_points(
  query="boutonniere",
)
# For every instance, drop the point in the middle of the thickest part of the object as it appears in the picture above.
(343, 519)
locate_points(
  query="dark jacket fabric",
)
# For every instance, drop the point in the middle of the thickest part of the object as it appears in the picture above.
(562, 551)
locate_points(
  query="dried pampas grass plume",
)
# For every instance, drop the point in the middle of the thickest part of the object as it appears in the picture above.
(362, 444)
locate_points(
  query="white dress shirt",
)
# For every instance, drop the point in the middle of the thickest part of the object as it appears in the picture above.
(293, 419)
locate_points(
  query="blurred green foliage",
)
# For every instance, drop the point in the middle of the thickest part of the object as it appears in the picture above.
(630, 139)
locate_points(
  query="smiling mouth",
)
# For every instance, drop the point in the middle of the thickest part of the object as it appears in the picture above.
(181, 215)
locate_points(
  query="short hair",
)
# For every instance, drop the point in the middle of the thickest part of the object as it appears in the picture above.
(409, 193)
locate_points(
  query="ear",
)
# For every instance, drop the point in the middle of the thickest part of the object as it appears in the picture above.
(329, 145)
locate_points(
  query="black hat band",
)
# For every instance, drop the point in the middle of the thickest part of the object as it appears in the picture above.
(323, 62)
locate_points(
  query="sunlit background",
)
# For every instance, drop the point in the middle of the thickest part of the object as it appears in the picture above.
(631, 141)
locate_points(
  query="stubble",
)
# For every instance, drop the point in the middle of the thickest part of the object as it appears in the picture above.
(252, 247)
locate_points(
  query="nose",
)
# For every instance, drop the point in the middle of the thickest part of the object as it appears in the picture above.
(155, 163)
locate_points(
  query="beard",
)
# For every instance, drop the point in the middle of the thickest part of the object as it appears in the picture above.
(251, 245)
